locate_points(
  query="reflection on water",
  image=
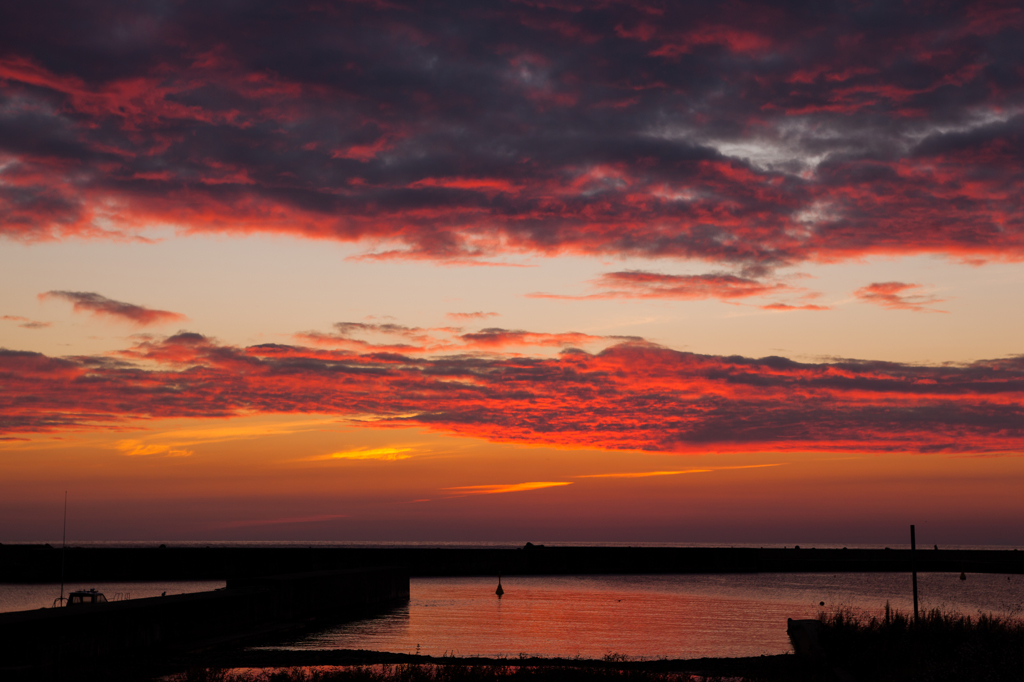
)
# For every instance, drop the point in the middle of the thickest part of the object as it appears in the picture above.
(20, 597)
(678, 616)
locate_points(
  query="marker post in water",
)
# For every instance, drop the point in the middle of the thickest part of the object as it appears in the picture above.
(913, 568)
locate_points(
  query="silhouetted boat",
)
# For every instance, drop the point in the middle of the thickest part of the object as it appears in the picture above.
(79, 597)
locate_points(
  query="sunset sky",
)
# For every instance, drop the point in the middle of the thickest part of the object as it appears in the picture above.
(549, 271)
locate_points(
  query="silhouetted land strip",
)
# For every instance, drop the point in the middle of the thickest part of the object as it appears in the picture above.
(408, 667)
(19, 563)
(77, 637)
(355, 666)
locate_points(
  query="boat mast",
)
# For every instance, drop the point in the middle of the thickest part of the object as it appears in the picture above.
(63, 547)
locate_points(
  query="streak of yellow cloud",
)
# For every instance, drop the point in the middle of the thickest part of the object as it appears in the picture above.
(506, 488)
(151, 444)
(644, 474)
(136, 448)
(222, 433)
(385, 454)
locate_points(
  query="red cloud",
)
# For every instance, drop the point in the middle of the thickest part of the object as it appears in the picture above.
(630, 396)
(732, 39)
(640, 284)
(892, 295)
(410, 339)
(787, 306)
(345, 341)
(125, 312)
(465, 317)
(555, 140)
(418, 340)
(25, 323)
(496, 337)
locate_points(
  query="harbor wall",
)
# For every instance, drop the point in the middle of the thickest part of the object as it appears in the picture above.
(160, 625)
(44, 563)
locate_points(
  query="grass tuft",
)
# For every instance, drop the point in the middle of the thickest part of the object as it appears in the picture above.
(939, 646)
(439, 673)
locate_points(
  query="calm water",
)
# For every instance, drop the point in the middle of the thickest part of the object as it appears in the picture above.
(20, 597)
(680, 616)
(677, 616)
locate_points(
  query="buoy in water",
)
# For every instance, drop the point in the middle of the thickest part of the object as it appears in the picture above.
(963, 576)
(499, 591)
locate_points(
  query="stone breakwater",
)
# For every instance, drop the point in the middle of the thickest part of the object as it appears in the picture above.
(247, 607)
(42, 563)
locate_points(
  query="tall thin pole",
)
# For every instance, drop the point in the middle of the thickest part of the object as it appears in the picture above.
(63, 552)
(913, 569)
(64, 547)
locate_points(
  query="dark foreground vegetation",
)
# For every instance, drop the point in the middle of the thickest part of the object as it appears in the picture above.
(940, 646)
(494, 672)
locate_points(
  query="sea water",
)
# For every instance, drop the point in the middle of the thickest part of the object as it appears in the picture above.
(653, 616)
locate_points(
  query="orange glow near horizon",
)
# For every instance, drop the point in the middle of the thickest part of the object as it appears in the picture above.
(719, 277)
(259, 478)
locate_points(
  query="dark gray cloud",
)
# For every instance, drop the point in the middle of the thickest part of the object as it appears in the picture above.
(754, 134)
(85, 301)
(24, 322)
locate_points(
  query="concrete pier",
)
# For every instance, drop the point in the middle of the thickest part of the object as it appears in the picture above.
(43, 563)
(165, 625)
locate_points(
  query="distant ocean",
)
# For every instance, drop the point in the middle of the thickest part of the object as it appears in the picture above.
(484, 544)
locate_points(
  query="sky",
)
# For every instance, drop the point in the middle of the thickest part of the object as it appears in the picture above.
(517, 271)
